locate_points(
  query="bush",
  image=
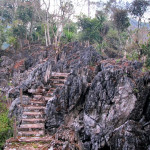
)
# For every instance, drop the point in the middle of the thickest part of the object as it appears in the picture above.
(146, 51)
(5, 125)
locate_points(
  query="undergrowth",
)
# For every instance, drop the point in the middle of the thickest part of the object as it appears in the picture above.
(5, 124)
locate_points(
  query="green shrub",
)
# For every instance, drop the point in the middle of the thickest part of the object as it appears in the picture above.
(146, 51)
(133, 56)
(5, 125)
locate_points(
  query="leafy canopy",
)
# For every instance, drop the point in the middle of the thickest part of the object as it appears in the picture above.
(92, 29)
(25, 14)
(121, 19)
(139, 7)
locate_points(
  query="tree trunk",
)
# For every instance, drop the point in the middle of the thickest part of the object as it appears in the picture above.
(31, 28)
(46, 37)
(139, 21)
(38, 37)
(88, 8)
(55, 40)
(20, 41)
(120, 43)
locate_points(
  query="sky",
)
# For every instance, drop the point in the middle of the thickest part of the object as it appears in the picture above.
(81, 7)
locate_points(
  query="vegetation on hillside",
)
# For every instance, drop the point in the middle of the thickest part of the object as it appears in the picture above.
(5, 123)
(50, 22)
(26, 22)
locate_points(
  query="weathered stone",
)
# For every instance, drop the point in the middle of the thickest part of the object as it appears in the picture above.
(105, 102)
(130, 136)
(16, 109)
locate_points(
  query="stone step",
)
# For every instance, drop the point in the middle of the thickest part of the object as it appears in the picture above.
(37, 115)
(34, 108)
(37, 103)
(38, 97)
(35, 139)
(39, 126)
(58, 80)
(38, 91)
(32, 121)
(57, 85)
(49, 98)
(33, 113)
(57, 74)
(50, 94)
(31, 133)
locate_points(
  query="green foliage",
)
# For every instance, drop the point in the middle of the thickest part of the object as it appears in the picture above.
(5, 124)
(112, 39)
(92, 29)
(124, 37)
(2, 35)
(133, 56)
(139, 7)
(121, 19)
(117, 60)
(12, 40)
(69, 32)
(100, 46)
(19, 31)
(38, 32)
(146, 51)
(25, 14)
(7, 16)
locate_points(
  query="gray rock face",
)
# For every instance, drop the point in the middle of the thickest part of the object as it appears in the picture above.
(111, 101)
(114, 109)
(130, 136)
(6, 65)
(105, 102)
(66, 99)
(75, 56)
(37, 77)
(6, 62)
(16, 109)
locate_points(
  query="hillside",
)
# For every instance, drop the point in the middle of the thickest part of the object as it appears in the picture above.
(134, 24)
(77, 100)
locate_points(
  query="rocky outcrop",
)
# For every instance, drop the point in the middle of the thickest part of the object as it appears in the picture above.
(130, 136)
(38, 77)
(114, 98)
(66, 99)
(16, 109)
(103, 103)
(75, 56)
(6, 65)
(114, 108)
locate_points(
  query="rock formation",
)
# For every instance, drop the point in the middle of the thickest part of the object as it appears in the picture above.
(103, 105)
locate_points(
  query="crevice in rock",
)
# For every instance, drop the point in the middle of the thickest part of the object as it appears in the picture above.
(146, 108)
(106, 147)
(26, 93)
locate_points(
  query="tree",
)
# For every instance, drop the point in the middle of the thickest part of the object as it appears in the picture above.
(47, 25)
(138, 8)
(121, 19)
(19, 33)
(60, 18)
(69, 32)
(2, 34)
(121, 22)
(93, 30)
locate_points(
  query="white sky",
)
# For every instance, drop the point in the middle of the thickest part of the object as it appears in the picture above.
(81, 6)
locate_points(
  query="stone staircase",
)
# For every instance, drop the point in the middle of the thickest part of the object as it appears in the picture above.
(33, 118)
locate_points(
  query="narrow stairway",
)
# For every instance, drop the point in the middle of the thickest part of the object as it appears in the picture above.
(32, 126)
